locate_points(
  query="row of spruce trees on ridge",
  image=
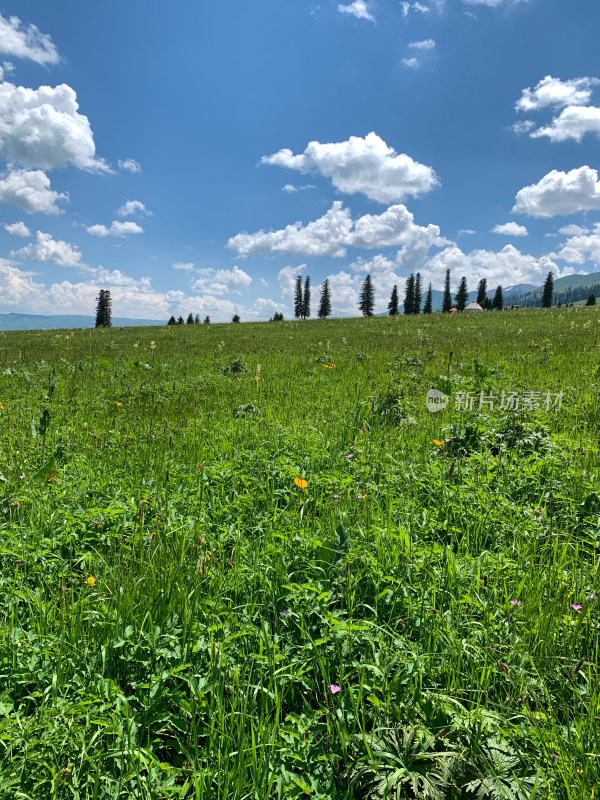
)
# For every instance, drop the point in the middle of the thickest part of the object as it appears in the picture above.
(413, 298)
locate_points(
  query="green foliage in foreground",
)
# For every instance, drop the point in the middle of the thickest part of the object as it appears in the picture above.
(181, 618)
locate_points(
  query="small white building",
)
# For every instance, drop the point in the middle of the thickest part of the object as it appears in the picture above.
(473, 307)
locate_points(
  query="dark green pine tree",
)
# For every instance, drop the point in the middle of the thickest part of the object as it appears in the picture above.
(591, 301)
(462, 294)
(498, 301)
(190, 319)
(197, 319)
(447, 299)
(306, 299)
(325, 302)
(393, 304)
(418, 294)
(100, 309)
(172, 321)
(367, 297)
(482, 292)
(298, 298)
(548, 291)
(235, 318)
(180, 320)
(206, 321)
(428, 307)
(104, 309)
(409, 295)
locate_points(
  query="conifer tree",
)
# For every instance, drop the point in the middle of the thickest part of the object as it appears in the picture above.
(367, 297)
(409, 296)
(482, 292)
(306, 299)
(108, 309)
(591, 301)
(190, 319)
(428, 307)
(418, 294)
(393, 304)
(197, 319)
(498, 301)
(548, 291)
(325, 303)
(298, 298)
(235, 318)
(206, 320)
(104, 309)
(172, 321)
(462, 294)
(180, 320)
(447, 299)
(100, 309)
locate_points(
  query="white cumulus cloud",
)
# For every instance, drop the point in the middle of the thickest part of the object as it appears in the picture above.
(290, 188)
(510, 229)
(490, 3)
(359, 9)
(425, 44)
(47, 250)
(187, 266)
(30, 190)
(582, 246)
(523, 127)
(332, 233)
(554, 92)
(42, 128)
(367, 166)
(286, 278)
(131, 207)
(130, 165)
(116, 228)
(131, 297)
(573, 230)
(419, 7)
(26, 41)
(573, 122)
(411, 63)
(222, 281)
(560, 193)
(17, 229)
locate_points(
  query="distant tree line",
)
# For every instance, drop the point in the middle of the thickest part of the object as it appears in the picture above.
(572, 294)
(191, 320)
(413, 298)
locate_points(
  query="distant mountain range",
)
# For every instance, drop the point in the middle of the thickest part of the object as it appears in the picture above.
(38, 322)
(571, 289)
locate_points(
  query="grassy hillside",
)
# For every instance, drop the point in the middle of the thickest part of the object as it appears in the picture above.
(572, 288)
(246, 561)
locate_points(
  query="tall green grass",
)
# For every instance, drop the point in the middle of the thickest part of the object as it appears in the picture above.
(177, 612)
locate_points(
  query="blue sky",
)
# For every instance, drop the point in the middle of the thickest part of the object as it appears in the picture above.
(198, 156)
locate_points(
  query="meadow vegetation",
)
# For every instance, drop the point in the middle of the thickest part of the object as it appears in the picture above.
(245, 561)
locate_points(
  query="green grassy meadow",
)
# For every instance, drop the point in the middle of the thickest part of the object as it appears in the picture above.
(235, 564)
